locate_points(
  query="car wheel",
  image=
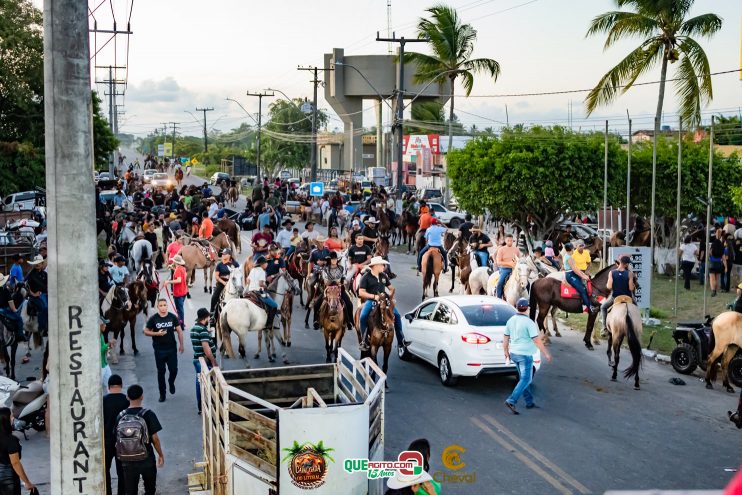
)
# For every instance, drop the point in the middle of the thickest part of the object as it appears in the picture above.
(683, 359)
(444, 371)
(403, 353)
(455, 223)
(735, 370)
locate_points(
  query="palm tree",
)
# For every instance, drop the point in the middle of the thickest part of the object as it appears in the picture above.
(452, 43)
(668, 37)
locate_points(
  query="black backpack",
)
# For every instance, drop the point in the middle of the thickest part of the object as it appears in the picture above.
(132, 436)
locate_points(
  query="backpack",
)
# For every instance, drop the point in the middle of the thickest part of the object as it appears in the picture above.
(132, 436)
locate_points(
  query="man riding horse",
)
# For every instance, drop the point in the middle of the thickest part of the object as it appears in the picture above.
(434, 239)
(372, 288)
(333, 274)
(257, 285)
(620, 283)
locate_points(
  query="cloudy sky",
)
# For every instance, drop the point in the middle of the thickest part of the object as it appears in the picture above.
(193, 53)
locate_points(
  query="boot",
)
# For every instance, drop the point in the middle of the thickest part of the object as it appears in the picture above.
(271, 317)
(736, 417)
(113, 356)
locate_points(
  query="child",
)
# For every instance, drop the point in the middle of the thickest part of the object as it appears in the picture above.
(295, 237)
(549, 255)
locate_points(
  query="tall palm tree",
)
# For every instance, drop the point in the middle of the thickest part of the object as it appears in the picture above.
(668, 37)
(452, 44)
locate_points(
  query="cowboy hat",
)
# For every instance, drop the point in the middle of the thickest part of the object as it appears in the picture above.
(370, 220)
(3, 279)
(476, 229)
(287, 222)
(377, 260)
(178, 260)
(405, 480)
(37, 260)
(320, 239)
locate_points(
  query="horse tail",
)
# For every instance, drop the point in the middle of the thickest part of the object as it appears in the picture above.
(634, 346)
(532, 304)
(429, 268)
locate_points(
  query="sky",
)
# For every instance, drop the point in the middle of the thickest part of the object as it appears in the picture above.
(185, 54)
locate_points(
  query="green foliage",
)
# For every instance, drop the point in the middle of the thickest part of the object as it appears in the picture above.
(104, 142)
(728, 130)
(21, 167)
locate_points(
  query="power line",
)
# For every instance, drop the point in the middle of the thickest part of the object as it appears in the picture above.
(206, 139)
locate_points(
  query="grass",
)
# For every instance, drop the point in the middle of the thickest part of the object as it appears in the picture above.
(690, 308)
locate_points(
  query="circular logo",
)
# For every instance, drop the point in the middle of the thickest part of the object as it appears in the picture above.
(451, 457)
(307, 465)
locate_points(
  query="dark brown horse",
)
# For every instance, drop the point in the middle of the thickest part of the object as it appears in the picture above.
(546, 293)
(124, 309)
(432, 265)
(298, 266)
(380, 328)
(332, 320)
(409, 224)
(232, 230)
(458, 258)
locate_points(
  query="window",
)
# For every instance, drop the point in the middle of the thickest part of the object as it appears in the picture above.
(444, 314)
(437, 208)
(426, 312)
(488, 315)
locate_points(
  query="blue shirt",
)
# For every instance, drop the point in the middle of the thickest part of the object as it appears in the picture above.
(434, 235)
(220, 213)
(16, 274)
(521, 330)
(118, 273)
(118, 199)
(263, 220)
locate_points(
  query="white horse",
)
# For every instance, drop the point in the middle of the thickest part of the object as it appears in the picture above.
(240, 316)
(139, 251)
(517, 284)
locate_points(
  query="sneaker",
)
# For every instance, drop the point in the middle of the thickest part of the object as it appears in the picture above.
(392, 276)
(511, 407)
(161, 399)
(735, 418)
(172, 389)
(532, 406)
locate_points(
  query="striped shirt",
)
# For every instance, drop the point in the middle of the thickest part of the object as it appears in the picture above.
(199, 334)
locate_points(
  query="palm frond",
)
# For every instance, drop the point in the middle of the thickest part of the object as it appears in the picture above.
(693, 87)
(620, 25)
(702, 25)
(620, 78)
(484, 65)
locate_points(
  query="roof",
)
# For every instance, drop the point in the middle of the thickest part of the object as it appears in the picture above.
(469, 300)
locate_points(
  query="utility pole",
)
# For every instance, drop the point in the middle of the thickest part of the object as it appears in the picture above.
(206, 140)
(316, 82)
(75, 406)
(260, 123)
(175, 125)
(399, 121)
(112, 94)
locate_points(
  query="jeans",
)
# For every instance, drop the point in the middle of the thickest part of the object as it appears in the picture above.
(701, 272)
(197, 365)
(268, 301)
(166, 358)
(148, 472)
(216, 295)
(726, 277)
(42, 307)
(179, 307)
(363, 317)
(482, 257)
(110, 459)
(504, 275)
(554, 262)
(10, 484)
(605, 307)
(525, 373)
(687, 267)
(290, 250)
(425, 250)
(576, 282)
(16, 318)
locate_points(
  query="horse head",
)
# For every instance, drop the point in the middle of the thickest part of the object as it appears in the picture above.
(332, 297)
(385, 314)
(120, 298)
(381, 247)
(146, 272)
(235, 286)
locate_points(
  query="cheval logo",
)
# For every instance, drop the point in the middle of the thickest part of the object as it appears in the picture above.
(307, 464)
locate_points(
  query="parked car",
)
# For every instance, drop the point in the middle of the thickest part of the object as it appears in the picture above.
(25, 200)
(429, 194)
(449, 217)
(161, 180)
(148, 174)
(218, 177)
(461, 335)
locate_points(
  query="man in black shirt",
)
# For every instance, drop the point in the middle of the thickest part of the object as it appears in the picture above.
(372, 287)
(465, 228)
(359, 256)
(370, 231)
(146, 469)
(162, 327)
(114, 402)
(37, 286)
(8, 308)
(222, 273)
(276, 263)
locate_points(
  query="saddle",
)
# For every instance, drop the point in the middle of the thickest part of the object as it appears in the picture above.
(10, 327)
(255, 298)
(621, 300)
(569, 292)
(206, 249)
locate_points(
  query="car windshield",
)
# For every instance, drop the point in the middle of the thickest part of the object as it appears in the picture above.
(487, 315)
(160, 176)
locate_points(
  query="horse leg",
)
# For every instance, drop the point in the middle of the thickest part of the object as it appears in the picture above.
(132, 329)
(328, 348)
(554, 321)
(435, 285)
(206, 279)
(616, 351)
(589, 330)
(609, 351)
(269, 349)
(542, 310)
(13, 350)
(260, 344)
(729, 353)
(711, 366)
(453, 276)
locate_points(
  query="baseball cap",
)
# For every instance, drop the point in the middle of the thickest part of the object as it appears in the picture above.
(521, 304)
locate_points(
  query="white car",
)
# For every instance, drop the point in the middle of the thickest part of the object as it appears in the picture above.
(461, 335)
(148, 174)
(449, 217)
(160, 180)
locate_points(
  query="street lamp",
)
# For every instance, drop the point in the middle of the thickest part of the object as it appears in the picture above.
(243, 109)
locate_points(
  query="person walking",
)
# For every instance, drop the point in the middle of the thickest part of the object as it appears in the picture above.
(180, 287)
(114, 402)
(203, 347)
(162, 327)
(688, 252)
(11, 469)
(521, 341)
(135, 417)
(9, 310)
(716, 265)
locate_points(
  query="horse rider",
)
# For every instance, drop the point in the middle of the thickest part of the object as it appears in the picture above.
(506, 258)
(143, 247)
(260, 242)
(336, 204)
(222, 273)
(480, 244)
(538, 255)
(370, 231)
(423, 208)
(16, 271)
(206, 231)
(465, 228)
(334, 274)
(359, 255)
(582, 256)
(276, 263)
(38, 288)
(119, 271)
(425, 220)
(574, 277)
(620, 283)
(354, 231)
(105, 282)
(9, 310)
(283, 238)
(551, 256)
(256, 282)
(372, 288)
(434, 239)
(317, 258)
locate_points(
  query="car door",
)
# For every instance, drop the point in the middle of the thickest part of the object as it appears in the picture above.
(417, 329)
(440, 332)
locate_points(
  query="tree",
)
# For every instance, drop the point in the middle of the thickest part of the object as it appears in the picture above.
(452, 43)
(728, 130)
(544, 173)
(667, 37)
(104, 142)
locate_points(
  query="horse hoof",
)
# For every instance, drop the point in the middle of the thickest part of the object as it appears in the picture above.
(730, 390)
(596, 342)
(589, 346)
(136, 352)
(256, 356)
(206, 291)
(122, 352)
(709, 386)
(306, 325)
(636, 387)
(211, 289)
(286, 361)
(288, 344)
(557, 334)
(271, 360)
(273, 356)
(613, 380)
(386, 385)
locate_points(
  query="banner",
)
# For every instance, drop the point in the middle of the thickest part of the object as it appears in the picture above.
(168, 149)
(640, 264)
(421, 142)
(160, 150)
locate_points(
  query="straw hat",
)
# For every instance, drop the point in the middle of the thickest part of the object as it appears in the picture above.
(178, 260)
(320, 238)
(377, 260)
(37, 260)
(3, 279)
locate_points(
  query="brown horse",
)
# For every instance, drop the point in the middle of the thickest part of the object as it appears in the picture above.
(233, 196)
(726, 341)
(385, 224)
(179, 176)
(230, 228)
(625, 320)
(380, 328)
(381, 247)
(409, 225)
(298, 266)
(546, 293)
(332, 320)
(125, 306)
(432, 265)
(195, 258)
(458, 258)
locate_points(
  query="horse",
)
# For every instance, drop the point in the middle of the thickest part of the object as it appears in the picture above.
(726, 340)
(179, 176)
(456, 252)
(230, 228)
(313, 293)
(8, 341)
(283, 288)
(297, 266)
(625, 319)
(232, 196)
(546, 293)
(240, 316)
(380, 328)
(194, 257)
(408, 227)
(119, 300)
(385, 224)
(381, 246)
(432, 265)
(332, 320)
(151, 279)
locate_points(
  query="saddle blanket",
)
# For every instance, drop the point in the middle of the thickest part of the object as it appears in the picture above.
(569, 292)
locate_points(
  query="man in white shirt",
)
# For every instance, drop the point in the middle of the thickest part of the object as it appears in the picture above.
(309, 233)
(256, 283)
(213, 209)
(283, 238)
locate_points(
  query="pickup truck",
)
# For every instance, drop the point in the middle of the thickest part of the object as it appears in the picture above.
(449, 217)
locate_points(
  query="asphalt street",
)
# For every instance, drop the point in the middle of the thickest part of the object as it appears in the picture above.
(588, 436)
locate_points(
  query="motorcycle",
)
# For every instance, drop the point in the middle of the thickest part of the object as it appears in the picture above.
(27, 403)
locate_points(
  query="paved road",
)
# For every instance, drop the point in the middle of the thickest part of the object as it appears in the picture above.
(589, 435)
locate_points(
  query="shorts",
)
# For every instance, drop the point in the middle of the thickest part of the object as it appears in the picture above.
(716, 267)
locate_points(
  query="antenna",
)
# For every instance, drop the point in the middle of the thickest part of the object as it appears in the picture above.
(389, 24)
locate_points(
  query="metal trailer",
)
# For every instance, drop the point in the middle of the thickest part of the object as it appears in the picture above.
(252, 419)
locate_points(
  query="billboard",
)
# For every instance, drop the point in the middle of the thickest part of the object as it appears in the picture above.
(168, 149)
(419, 142)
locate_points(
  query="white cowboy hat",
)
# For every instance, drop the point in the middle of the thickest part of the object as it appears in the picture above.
(3, 279)
(38, 259)
(320, 239)
(178, 260)
(404, 480)
(370, 220)
(377, 260)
